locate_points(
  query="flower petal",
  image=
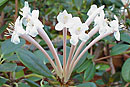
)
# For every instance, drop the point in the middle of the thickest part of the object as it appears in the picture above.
(15, 38)
(117, 35)
(102, 30)
(64, 17)
(74, 40)
(85, 26)
(35, 14)
(84, 37)
(59, 26)
(32, 31)
(92, 9)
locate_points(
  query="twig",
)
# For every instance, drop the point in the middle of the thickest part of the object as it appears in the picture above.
(113, 71)
(16, 9)
(102, 58)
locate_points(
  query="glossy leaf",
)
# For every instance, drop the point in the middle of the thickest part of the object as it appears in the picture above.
(119, 48)
(42, 57)
(125, 37)
(19, 74)
(8, 67)
(8, 47)
(31, 83)
(2, 2)
(32, 62)
(19, 68)
(90, 72)
(126, 70)
(23, 85)
(78, 3)
(81, 61)
(88, 84)
(84, 66)
(2, 81)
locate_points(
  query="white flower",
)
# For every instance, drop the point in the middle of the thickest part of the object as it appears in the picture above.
(115, 26)
(101, 22)
(63, 20)
(33, 23)
(18, 30)
(26, 10)
(78, 31)
(92, 9)
(125, 2)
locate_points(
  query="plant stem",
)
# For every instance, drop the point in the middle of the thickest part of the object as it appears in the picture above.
(31, 40)
(84, 51)
(91, 33)
(72, 50)
(64, 49)
(45, 37)
(16, 9)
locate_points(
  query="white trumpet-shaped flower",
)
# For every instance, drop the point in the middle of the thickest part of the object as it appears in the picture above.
(63, 20)
(115, 26)
(26, 10)
(101, 22)
(30, 20)
(78, 31)
(33, 23)
(92, 9)
(18, 30)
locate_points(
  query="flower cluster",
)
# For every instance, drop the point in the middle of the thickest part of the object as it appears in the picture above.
(29, 20)
(77, 28)
(33, 27)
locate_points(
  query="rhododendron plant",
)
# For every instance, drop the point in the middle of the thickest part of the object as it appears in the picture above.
(66, 23)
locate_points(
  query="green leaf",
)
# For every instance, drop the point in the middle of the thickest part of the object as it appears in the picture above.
(84, 66)
(42, 57)
(102, 67)
(2, 2)
(2, 81)
(105, 77)
(100, 82)
(119, 48)
(19, 68)
(90, 72)
(126, 70)
(8, 67)
(8, 47)
(10, 57)
(3, 28)
(19, 74)
(78, 77)
(31, 83)
(23, 85)
(32, 62)
(33, 78)
(78, 3)
(81, 61)
(125, 37)
(88, 84)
